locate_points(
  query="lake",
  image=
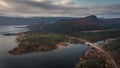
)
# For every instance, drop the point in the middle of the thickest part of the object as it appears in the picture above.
(63, 57)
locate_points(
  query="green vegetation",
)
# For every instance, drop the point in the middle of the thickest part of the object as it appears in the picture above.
(93, 59)
(41, 39)
(96, 36)
(38, 42)
(76, 31)
(113, 46)
(45, 37)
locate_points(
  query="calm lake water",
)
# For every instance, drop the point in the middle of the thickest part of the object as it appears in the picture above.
(63, 57)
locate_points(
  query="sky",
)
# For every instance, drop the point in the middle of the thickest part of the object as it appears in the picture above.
(60, 8)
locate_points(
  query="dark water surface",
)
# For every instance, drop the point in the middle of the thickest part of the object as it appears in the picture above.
(63, 57)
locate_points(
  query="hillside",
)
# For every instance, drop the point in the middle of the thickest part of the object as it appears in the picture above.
(83, 24)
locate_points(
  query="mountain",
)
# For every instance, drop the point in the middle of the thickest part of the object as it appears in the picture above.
(90, 20)
(29, 21)
(84, 24)
(64, 24)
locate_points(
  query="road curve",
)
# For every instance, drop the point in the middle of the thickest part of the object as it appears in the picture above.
(100, 49)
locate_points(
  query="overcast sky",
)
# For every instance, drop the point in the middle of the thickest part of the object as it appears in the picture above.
(67, 8)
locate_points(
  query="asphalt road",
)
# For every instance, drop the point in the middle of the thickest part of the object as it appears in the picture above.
(108, 56)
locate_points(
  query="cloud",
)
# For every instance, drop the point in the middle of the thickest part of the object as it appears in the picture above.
(28, 8)
(67, 2)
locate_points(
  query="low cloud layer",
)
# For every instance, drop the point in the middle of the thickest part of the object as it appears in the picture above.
(27, 8)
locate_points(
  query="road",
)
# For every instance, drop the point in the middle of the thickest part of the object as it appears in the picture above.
(108, 56)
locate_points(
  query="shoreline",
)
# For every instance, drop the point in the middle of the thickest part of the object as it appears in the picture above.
(102, 60)
(21, 50)
(44, 42)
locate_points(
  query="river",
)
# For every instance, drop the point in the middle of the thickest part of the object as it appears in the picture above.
(63, 57)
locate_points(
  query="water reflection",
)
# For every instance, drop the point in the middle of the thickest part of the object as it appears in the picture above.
(12, 29)
(63, 57)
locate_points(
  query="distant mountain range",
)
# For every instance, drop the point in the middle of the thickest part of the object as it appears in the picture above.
(84, 24)
(65, 24)
(29, 21)
(91, 21)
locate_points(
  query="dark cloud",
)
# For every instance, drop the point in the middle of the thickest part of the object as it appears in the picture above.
(51, 8)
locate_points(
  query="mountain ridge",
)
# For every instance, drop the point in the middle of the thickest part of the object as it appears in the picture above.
(83, 24)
